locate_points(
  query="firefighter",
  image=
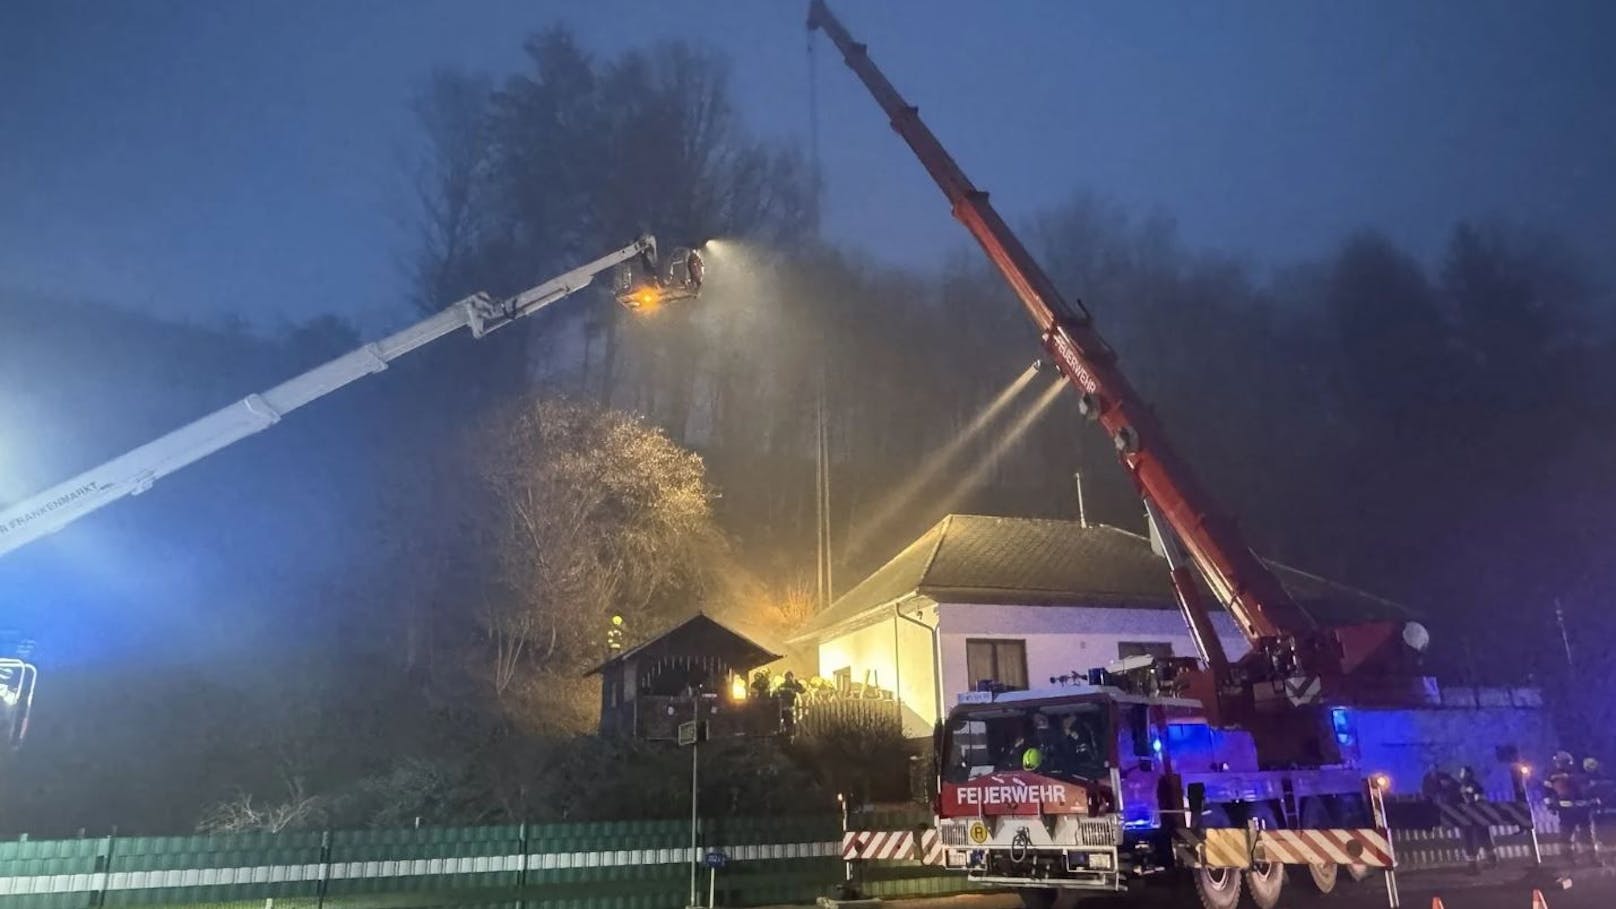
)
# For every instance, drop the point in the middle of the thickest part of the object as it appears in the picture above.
(1601, 792)
(693, 271)
(760, 684)
(1478, 836)
(1043, 743)
(787, 692)
(1439, 786)
(1013, 754)
(1565, 792)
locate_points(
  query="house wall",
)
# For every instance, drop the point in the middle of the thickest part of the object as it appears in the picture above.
(894, 654)
(1403, 743)
(1059, 639)
(1065, 639)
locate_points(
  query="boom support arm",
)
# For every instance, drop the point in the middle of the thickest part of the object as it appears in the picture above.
(137, 470)
(1259, 605)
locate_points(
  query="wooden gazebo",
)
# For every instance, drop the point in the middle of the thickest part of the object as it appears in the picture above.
(697, 669)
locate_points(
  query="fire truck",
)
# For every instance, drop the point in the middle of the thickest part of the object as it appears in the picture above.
(1228, 775)
(640, 281)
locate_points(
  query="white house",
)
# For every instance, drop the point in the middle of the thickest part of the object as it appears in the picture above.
(1019, 601)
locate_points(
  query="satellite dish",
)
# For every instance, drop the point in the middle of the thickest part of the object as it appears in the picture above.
(1416, 637)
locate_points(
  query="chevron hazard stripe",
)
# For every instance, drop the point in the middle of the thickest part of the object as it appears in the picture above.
(885, 845)
(1218, 847)
(877, 845)
(1487, 814)
(1369, 847)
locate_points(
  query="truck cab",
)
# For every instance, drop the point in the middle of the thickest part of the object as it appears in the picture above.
(1083, 785)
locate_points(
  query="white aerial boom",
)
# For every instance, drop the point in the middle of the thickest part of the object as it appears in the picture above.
(136, 471)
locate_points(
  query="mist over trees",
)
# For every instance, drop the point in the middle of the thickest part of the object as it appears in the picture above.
(1439, 432)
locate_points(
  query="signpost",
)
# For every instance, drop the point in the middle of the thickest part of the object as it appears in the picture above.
(714, 860)
(691, 733)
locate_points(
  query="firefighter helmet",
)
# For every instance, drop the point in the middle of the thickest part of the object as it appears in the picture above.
(1563, 760)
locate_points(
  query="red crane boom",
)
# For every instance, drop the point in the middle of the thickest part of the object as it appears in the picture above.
(1374, 661)
(1251, 593)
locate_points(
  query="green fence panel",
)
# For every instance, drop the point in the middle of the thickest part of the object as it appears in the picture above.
(592, 865)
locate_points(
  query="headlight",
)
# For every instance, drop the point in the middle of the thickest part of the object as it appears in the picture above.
(1100, 861)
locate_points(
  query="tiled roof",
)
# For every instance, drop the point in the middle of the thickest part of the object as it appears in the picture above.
(1031, 561)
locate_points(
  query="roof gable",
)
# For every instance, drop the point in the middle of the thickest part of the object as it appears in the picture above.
(699, 634)
(1031, 561)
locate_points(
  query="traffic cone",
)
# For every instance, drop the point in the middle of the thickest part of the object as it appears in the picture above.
(1538, 902)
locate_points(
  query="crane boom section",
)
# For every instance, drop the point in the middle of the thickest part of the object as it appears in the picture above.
(137, 470)
(1251, 593)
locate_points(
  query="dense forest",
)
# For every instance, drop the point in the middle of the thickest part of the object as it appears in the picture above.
(361, 617)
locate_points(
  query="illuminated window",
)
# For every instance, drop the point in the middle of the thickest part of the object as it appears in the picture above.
(996, 660)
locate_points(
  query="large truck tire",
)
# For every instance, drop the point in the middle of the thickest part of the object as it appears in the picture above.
(1316, 815)
(1323, 878)
(1265, 881)
(1216, 888)
(1353, 812)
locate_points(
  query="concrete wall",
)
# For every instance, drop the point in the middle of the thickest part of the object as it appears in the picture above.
(1064, 639)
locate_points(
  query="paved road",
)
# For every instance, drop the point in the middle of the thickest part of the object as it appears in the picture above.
(1508, 889)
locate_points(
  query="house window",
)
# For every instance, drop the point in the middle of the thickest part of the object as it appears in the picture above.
(996, 660)
(1159, 649)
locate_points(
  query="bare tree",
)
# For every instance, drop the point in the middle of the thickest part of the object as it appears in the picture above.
(603, 515)
(450, 181)
(239, 814)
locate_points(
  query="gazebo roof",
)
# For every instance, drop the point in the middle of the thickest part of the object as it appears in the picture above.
(700, 635)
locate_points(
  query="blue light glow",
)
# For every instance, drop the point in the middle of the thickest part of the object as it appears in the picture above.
(1341, 722)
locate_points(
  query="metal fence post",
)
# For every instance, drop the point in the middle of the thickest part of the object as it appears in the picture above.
(695, 749)
(103, 871)
(325, 869)
(1377, 803)
(1517, 778)
(847, 867)
(521, 871)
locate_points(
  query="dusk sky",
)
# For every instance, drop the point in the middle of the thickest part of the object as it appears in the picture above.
(199, 159)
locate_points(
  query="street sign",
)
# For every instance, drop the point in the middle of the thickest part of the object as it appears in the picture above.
(715, 859)
(690, 732)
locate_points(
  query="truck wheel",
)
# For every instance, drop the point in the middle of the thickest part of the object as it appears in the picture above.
(1037, 897)
(1264, 883)
(1316, 815)
(1217, 888)
(1352, 812)
(1324, 877)
(1265, 880)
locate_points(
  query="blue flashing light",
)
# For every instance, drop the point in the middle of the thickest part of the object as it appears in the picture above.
(1156, 745)
(1139, 817)
(1341, 723)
